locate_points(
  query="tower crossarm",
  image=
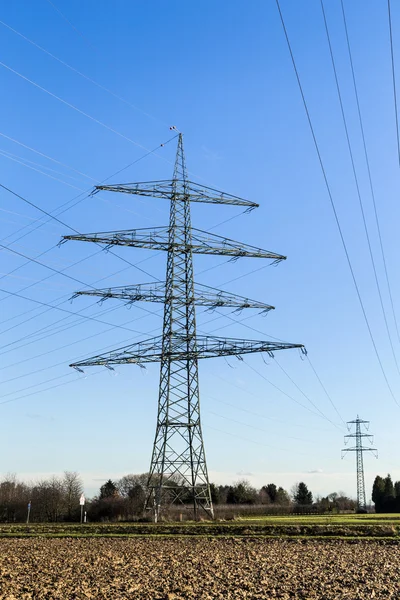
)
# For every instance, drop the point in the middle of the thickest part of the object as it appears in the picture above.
(158, 238)
(151, 350)
(155, 292)
(361, 448)
(360, 435)
(167, 188)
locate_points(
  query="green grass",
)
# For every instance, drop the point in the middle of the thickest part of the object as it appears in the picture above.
(294, 526)
(343, 519)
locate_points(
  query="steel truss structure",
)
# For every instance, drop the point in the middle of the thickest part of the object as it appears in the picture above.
(359, 449)
(178, 470)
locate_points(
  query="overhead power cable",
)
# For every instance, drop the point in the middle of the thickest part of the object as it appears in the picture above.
(239, 437)
(65, 297)
(371, 254)
(72, 25)
(26, 162)
(321, 416)
(61, 300)
(290, 437)
(241, 322)
(303, 393)
(51, 216)
(80, 111)
(251, 412)
(52, 387)
(334, 209)
(154, 313)
(73, 69)
(39, 153)
(69, 312)
(33, 168)
(16, 295)
(369, 174)
(325, 390)
(79, 197)
(321, 413)
(394, 81)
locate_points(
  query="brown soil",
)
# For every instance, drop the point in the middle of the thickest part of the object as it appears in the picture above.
(207, 569)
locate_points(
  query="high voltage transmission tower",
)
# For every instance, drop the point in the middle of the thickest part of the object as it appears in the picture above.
(178, 470)
(359, 449)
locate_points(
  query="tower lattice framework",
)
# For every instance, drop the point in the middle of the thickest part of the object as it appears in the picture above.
(178, 470)
(359, 449)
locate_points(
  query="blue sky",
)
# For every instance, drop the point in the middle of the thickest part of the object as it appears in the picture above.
(222, 74)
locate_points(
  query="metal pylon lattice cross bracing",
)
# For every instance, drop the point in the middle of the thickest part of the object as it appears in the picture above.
(178, 470)
(178, 445)
(359, 434)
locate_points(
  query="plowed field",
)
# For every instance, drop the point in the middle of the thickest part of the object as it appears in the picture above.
(178, 568)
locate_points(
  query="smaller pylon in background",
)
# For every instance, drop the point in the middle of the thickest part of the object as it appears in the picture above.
(359, 449)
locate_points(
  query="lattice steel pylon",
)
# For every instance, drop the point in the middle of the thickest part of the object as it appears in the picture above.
(178, 470)
(359, 449)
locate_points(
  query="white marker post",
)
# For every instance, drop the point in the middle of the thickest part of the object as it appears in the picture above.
(82, 503)
(29, 512)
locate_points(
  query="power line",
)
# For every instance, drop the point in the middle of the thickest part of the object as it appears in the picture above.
(80, 111)
(290, 437)
(251, 412)
(304, 394)
(55, 271)
(58, 162)
(369, 174)
(321, 416)
(325, 390)
(85, 194)
(72, 25)
(254, 441)
(68, 66)
(32, 168)
(153, 313)
(65, 298)
(276, 387)
(280, 340)
(334, 209)
(69, 312)
(49, 388)
(394, 82)
(16, 295)
(358, 189)
(22, 160)
(64, 225)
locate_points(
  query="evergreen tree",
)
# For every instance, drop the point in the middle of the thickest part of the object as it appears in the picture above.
(302, 495)
(108, 490)
(272, 491)
(397, 489)
(378, 493)
(389, 487)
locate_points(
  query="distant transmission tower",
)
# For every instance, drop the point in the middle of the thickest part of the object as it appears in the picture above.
(178, 470)
(359, 449)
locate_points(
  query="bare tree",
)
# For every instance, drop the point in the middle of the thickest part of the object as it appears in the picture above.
(72, 488)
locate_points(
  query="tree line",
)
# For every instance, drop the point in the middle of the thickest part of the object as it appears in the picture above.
(57, 499)
(53, 499)
(386, 495)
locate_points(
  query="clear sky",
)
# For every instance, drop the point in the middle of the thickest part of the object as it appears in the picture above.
(221, 72)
